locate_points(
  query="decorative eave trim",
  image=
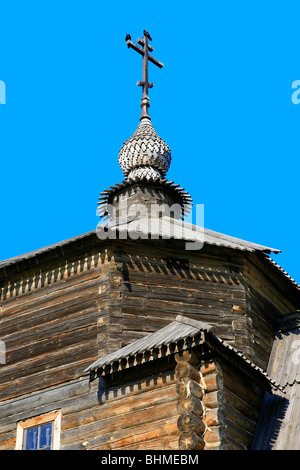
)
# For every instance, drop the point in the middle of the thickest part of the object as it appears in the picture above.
(133, 360)
(106, 195)
(213, 341)
(282, 271)
(203, 335)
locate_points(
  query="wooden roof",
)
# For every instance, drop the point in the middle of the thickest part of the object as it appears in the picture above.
(167, 228)
(182, 231)
(183, 333)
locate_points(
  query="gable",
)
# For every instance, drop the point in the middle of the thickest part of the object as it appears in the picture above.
(216, 392)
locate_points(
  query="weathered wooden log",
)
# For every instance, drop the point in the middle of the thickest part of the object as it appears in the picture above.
(190, 356)
(212, 435)
(211, 382)
(184, 369)
(238, 434)
(212, 417)
(240, 405)
(207, 367)
(191, 441)
(239, 385)
(185, 386)
(190, 404)
(211, 400)
(189, 422)
(239, 418)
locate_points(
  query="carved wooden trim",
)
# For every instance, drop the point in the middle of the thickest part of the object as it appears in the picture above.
(39, 278)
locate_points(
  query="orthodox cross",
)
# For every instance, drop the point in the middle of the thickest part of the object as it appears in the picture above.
(144, 51)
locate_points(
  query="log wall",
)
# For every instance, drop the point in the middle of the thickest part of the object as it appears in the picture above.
(53, 323)
(268, 298)
(156, 287)
(167, 404)
(215, 285)
(61, 313)
(126, 413)
(58, 317)
(232, 402)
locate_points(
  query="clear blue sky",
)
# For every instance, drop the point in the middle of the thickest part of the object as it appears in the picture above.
(222, 102)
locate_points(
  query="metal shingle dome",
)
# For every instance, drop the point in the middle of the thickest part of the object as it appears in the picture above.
(144, 154)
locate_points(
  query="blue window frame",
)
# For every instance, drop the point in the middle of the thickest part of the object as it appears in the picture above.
(38, 437)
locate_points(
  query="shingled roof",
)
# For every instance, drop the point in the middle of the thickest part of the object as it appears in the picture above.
(179, 330)
(162, 228)
(181, 334)
(169, 228)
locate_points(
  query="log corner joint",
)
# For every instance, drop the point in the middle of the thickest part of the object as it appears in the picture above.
(190, 391)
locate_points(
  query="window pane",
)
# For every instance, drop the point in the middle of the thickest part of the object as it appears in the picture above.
(31, 439)
(45, 436)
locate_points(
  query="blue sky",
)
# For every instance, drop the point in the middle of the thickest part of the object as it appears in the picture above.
(222, 102)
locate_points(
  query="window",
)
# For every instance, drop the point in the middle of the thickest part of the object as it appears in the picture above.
(39, 433)
(38, 437)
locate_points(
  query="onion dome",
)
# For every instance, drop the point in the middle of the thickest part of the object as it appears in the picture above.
(144, 155)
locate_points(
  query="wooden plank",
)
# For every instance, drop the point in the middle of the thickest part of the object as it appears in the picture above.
(45, 310)
(239, 419)
(240, 405)
(45, 276)
(113, 414)
(240, 384)
(46, 400)
(48, 378)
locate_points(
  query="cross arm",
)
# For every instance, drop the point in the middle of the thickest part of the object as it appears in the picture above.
(155, 61)
(141, 51)
(135, 47)
(142, 43)
(141, 83)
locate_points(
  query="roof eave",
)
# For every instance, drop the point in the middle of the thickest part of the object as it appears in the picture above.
(134, 354)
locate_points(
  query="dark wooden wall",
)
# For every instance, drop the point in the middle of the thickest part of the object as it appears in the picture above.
(166, 404)
(222, 287)
(138, 411)
(59, 314)
(269, 296)
(50, 324)
(157, 287)
(233, 402)
(132, 413)
(57, 319)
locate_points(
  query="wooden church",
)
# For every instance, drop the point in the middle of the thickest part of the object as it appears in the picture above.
(148, 333)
